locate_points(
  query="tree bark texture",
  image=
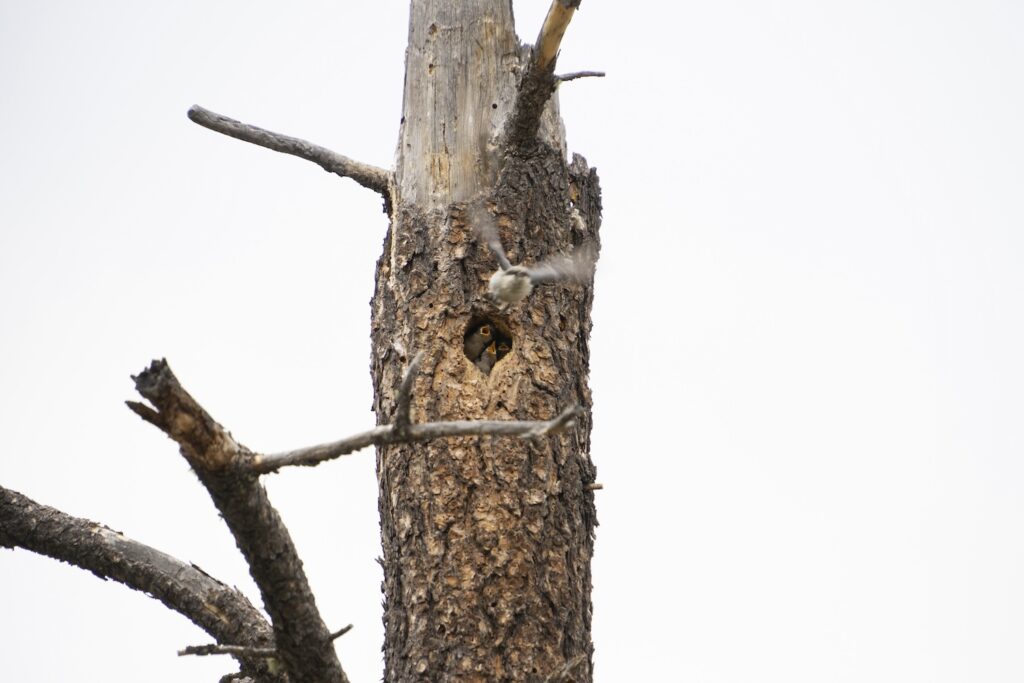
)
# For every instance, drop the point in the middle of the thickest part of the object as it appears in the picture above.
(487, 542)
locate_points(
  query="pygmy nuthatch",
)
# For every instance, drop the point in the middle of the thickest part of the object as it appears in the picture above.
(511, 284)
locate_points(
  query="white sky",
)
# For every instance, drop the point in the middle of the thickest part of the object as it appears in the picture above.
(807, 361)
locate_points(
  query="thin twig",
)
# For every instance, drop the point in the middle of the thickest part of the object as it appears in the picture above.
(593, 487)
(244, 650)
(340, 632)
(235, 650)
(579, 74)
(386, 434)
(368, 176)
(401, 421)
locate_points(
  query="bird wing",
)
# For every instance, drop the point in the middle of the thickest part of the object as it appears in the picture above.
(488, 231)
(577, 267)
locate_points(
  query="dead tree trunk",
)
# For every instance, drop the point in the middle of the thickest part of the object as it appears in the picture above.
(487, 542)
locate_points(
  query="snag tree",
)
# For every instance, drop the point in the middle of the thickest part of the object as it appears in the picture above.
(485, 480)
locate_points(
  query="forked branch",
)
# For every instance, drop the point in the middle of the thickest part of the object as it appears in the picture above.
(539, 78)
(230, 473)
(368, 176)
(389, 434)
(224, 467)
(401, 431)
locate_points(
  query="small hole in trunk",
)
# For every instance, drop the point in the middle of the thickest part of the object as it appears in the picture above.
(486, 342)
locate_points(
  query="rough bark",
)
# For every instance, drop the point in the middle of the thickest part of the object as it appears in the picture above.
(220, 610)
(487, 542)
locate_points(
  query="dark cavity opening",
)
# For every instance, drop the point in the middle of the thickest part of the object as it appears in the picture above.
(486, 342)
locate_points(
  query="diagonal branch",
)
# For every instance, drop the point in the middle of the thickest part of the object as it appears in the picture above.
(401, 421)
(368, 176)
(221, 611)
(225, 469)
(539, 78)
(388, 434)
(551, 32)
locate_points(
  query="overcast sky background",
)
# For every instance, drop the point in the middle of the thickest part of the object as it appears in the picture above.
(807, 349)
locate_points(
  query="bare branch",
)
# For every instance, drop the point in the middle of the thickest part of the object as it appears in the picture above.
(401, 421)
(225, 469)
(314, 455)
(560, 423)
(235, 650)
(387, 434)
(572, 76)
(539, 79)
(550, 38)
(243, 650)
(368, 176)
(221, 611)
(593, 487)
(340, 632)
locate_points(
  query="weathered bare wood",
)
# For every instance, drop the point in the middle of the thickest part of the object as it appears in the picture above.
(462, 57)
(551, 32)
(224, 467)
(368, 176)
(218, 609)
(390, 434)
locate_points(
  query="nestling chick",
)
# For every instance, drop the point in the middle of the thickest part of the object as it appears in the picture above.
(487, 359)
(477, 340)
